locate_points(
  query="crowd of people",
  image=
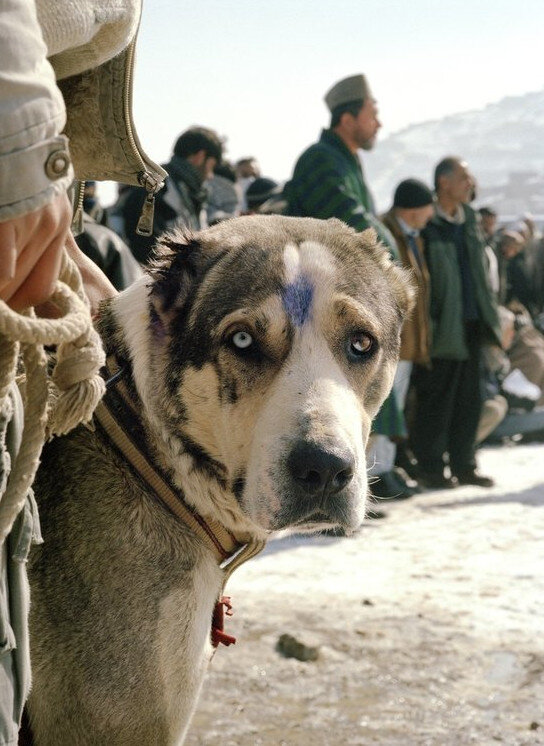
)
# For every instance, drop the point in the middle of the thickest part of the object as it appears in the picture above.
(472, 354)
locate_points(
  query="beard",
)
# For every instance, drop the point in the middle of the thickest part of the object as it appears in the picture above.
(368, 143)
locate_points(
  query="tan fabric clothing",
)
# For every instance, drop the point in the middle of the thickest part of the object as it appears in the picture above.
(93, 42)
(527, 354)
(32, 114)
(415, 336)
(36, 120)
(493, 412)
(83, 34)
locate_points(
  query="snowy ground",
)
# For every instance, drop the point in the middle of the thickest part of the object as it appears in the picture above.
(429, 623)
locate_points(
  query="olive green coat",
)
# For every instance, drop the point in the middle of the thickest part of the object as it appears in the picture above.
(446, 301)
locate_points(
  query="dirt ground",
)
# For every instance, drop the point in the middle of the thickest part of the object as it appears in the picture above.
(429, 626)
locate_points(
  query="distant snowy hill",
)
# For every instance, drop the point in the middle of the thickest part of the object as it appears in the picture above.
(502, 143)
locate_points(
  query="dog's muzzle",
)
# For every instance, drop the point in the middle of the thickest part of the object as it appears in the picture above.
(318, 477)
(317, 472)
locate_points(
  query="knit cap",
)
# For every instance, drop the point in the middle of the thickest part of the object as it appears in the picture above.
(412, 193)
(260, 190)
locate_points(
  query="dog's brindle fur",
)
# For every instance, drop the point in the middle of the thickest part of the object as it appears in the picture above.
(246, 346)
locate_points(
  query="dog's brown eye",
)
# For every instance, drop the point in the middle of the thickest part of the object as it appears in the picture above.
(242, 340)
(360, 345)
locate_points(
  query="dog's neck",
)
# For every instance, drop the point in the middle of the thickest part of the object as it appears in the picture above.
(126, 330)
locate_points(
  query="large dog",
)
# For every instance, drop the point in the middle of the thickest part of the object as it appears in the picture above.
(248, 363)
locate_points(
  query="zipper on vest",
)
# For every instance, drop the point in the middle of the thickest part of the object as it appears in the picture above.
(151, 176)
(145, 221)
(77, 216)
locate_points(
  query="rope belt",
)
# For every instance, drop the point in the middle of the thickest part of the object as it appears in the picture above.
(117, 417)
(53, 404)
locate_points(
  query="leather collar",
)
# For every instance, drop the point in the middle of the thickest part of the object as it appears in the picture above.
(117, 417)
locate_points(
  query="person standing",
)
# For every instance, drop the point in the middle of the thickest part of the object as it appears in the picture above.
(328, 179)
(413, 207)
(464, 316)
(223, 194)
(59, 67)
(183, 198)
(488, 220)
(247, 170)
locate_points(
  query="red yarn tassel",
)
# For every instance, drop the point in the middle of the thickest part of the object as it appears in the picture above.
(219, 636)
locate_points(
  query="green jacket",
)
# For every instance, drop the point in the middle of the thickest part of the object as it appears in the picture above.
(328, 182)
(446, 302)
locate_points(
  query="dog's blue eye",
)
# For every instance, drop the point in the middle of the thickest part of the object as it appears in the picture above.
(242, 340)
(361, 345)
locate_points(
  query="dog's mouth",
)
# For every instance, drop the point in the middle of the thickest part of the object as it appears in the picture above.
(319, 521)
(318, 517)
(316, 522)
(310, 513)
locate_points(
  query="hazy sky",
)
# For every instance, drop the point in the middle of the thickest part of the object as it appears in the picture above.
(257, 72)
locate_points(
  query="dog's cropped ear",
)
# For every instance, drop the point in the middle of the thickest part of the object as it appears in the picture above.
(178, 263)
(400, 279)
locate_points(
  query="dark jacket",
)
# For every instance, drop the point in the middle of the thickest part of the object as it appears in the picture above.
(179, 202)
(109, 252)
(328, 182)
(446, 302)
(521, 283)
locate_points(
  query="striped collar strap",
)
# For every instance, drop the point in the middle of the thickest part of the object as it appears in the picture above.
(117, 417)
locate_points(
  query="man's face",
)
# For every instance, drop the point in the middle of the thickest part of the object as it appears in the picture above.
(366, 125)
(421, 216)
(458, 185)
(511, 248)
(248, 169)
(489, 224)
(209, 164)
(203, 163)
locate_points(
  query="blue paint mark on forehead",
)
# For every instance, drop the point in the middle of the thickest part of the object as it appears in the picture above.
(297, 300)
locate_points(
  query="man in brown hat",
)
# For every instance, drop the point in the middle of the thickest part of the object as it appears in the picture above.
(413, 207)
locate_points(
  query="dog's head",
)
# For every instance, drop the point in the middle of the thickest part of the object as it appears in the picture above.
(268, 346)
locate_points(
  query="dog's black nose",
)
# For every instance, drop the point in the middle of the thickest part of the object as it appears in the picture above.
(316, 470)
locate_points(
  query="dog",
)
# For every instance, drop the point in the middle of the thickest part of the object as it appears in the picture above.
(251, 358)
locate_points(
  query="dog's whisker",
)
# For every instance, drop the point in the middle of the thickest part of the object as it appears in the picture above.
(369, 467)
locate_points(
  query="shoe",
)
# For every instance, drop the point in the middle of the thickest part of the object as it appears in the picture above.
(406, 460)
(406, 480)
(389, 487)
(472, 477)
(437, 481)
